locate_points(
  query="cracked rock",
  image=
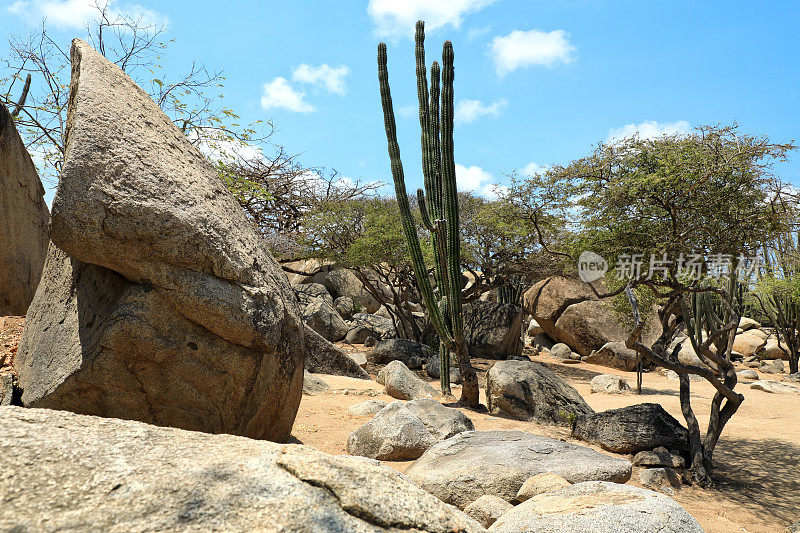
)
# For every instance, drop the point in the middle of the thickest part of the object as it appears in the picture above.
(118, 475)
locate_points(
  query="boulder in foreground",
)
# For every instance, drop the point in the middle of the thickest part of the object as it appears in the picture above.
(599, 507)
(404, 431)
(159, 300)
(463, 468)
(23, 221)
(128, 476)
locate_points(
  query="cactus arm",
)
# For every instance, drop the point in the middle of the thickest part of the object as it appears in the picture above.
(450, 195)
(436, 198)
(409, 228)
(423, 210)
(424, 112)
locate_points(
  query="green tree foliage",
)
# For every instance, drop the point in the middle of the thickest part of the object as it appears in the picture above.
(708, 196)
(364, 235)
(777, 294)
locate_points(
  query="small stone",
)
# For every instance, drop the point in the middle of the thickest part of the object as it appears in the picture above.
(367, 407)
(658, 457)
(773, 367)
(775, 387)
(359, 357)
(369, 342)
(487, 509)
(402, 383)
(540, 483)
(747, 374)
(609, 384)
(560, 351)
(656, 478)
(312, 385)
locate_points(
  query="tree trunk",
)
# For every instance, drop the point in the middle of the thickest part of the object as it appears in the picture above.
(700, 465)
(470, 395)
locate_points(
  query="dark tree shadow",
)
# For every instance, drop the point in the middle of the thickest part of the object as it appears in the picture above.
(761, 475)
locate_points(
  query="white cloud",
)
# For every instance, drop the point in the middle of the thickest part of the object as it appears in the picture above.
(471, 110)
(533, 168)
(521, 49)
(76, 14)
(325, 76)
(476, 180)
(397, 17)
(648, 129)
(217, 147)
(278, 94)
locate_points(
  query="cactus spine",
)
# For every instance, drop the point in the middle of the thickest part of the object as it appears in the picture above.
(438, 206)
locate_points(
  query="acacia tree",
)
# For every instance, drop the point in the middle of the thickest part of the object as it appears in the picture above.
(778, 291)
(683, 215)
(363, 235)
(277, 192)
(38, 66)
(497, 248)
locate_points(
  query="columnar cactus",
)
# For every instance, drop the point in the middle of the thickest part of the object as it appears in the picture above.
(511, 291)
(438, 206)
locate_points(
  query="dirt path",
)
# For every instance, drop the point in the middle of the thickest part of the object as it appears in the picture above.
(758, 487)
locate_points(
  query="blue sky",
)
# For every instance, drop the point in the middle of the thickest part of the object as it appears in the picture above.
(537, 82)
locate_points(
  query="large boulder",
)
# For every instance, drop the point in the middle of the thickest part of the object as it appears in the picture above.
(411, 353)
(405, 430)
(749, 342)
(772, 350)
(531, 391)
(23, 221)
(344, 282)
(324, 357)
(323, 318)
(381, 327)
(599, 507)
(614, 355)
(116, 475)
(159, 300)
(569, 312)
(493, 330)
(311, 292)
(632, 429)
(402, 383)
(463, 468)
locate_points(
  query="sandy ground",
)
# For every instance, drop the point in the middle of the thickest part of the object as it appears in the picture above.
(757, 474)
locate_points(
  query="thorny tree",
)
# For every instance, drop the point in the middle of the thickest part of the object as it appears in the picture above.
(693, 208)
(36, 75)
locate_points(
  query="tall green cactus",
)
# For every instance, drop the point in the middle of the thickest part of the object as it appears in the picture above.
(438, 206)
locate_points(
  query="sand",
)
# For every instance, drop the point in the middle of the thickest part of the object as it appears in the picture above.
(757, 475)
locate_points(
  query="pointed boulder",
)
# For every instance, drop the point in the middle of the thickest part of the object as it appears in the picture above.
(162, 304)
(23, 221)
